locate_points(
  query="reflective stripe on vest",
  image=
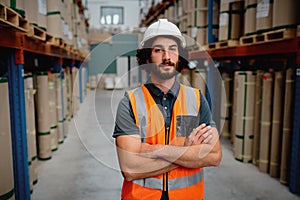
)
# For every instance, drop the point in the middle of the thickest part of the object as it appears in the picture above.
(173, 184)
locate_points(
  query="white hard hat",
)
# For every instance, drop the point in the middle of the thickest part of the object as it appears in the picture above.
(162, 27)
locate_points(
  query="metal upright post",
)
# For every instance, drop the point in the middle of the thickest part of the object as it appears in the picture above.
(295, 148)
(18, 124)
(210, 22)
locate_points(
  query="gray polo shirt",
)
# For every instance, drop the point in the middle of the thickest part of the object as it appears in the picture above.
(125, 121)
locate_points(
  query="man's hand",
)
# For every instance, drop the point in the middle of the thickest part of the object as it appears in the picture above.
(201, 134)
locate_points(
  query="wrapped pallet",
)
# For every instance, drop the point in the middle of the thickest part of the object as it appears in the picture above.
(243, 140)
(7, 178)
(285, 13)
(257, 116)
(250, 17)
(43, 116)
(276, 139)
(264, 15)
(231, 20)
(265, 123)
(287, 127)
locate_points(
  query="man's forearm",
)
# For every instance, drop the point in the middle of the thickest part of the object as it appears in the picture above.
(193, 156)
(133, 165)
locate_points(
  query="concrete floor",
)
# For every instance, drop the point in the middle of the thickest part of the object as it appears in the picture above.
(85, 166)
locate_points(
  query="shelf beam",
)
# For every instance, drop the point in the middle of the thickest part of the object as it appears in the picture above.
(281, 47)
(17, 40)
(18, 124)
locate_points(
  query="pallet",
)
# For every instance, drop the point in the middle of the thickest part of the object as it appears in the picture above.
(270, 36)
(50, 38)
(37, 33)
(227, 43)
(12, 19)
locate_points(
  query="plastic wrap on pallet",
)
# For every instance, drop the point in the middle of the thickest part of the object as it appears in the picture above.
(31, 11)
(230, 22)
(264, 15)
(285, 13)
(250, 17)
(42, 14)
(265, 123)
(7, 178)
(55, 24)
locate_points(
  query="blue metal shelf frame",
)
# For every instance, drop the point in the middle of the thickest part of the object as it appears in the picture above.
(18, 124)
(295, 149)
(210, 22)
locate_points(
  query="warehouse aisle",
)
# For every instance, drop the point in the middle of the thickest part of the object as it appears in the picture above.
(85, 167)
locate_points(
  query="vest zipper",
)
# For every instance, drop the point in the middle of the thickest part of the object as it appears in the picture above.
(165, 176)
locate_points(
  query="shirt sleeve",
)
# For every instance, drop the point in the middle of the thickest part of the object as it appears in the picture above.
(205, 112)
(125, 121)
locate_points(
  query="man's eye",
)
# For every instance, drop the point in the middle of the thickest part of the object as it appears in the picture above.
(157, 50)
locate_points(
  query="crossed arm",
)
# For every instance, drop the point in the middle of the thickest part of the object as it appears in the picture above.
(141, 160)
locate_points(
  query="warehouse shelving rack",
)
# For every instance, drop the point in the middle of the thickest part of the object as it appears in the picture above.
(282, 49)
(288, 49)
(16, 43)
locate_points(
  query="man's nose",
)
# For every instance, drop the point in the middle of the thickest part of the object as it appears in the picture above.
(166, 55)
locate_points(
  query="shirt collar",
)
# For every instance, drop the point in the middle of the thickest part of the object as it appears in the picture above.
(156, 91)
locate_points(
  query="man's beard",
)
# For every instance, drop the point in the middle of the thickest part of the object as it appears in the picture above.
(162, 74)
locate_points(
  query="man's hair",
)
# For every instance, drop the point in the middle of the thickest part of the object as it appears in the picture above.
(144, 54)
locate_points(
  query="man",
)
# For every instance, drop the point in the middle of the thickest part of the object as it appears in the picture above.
(164, 131)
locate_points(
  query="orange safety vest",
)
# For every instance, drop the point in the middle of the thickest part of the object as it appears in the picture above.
(183, 183)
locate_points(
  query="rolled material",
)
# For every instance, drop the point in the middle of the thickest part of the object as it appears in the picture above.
(276, 138)
(6, 178)
(244, 116)
(287, 127)
(257, 116)
(265, 123)
(43, 116)
(52, 112)
(198, 79)
(31, 128)
(226, 106)
(185, 77)
(59, 111)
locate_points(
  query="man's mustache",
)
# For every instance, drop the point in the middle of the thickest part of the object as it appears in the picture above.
(167, 63)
